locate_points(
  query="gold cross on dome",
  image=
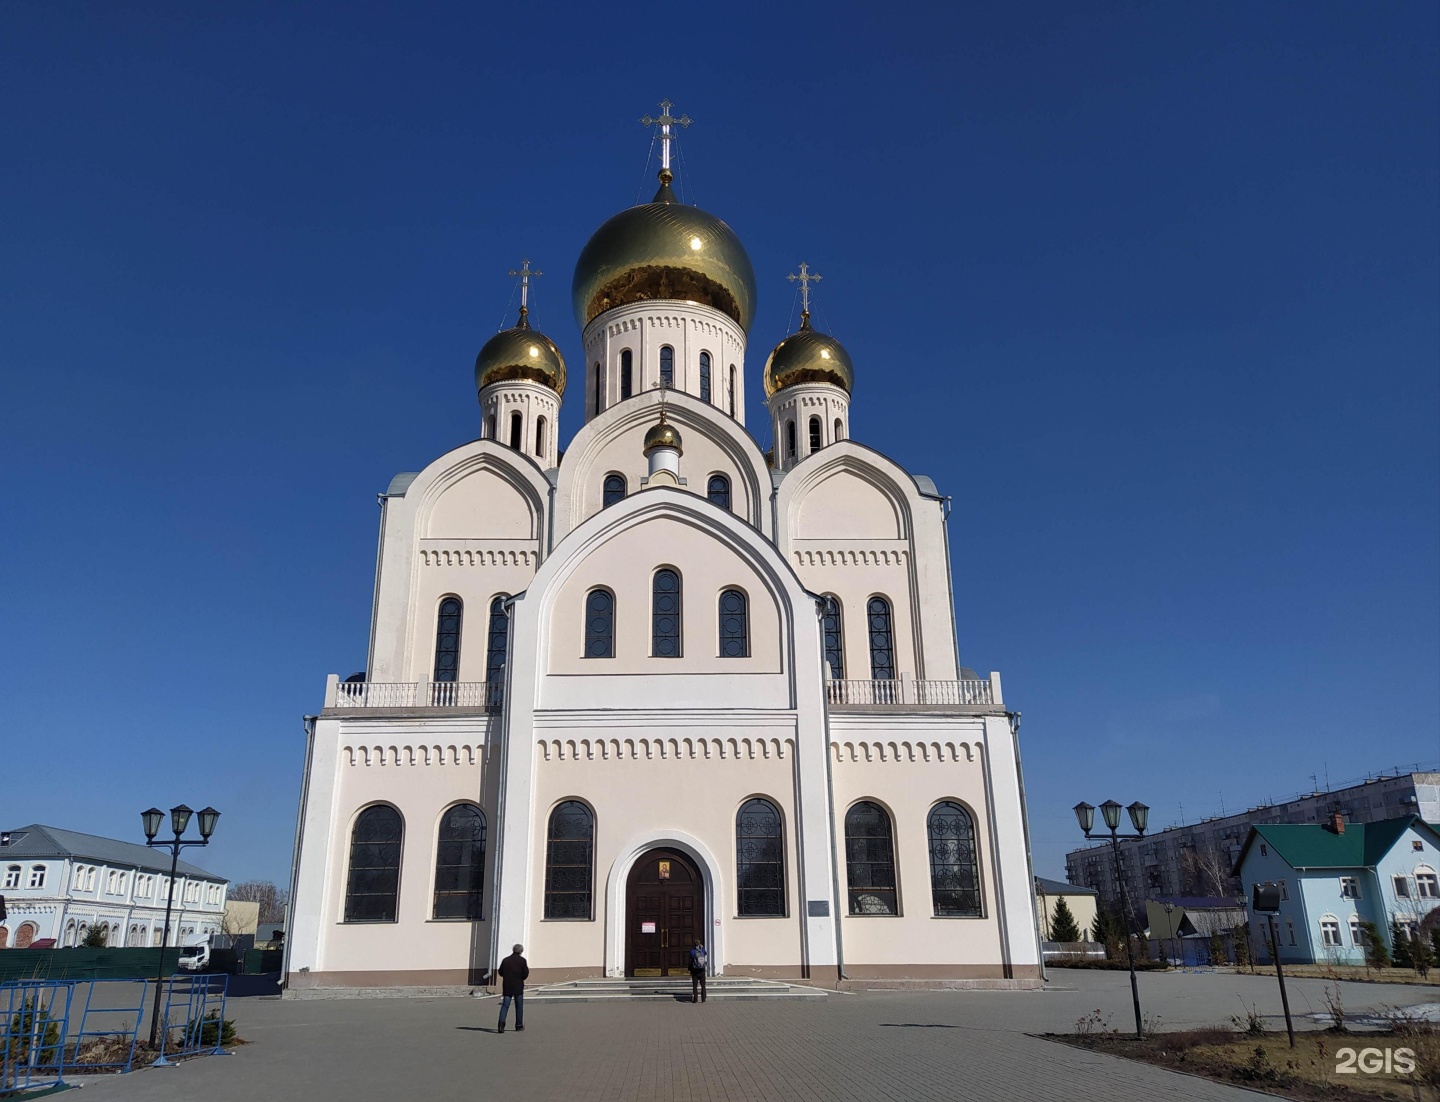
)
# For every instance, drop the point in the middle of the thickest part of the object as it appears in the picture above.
(804, 278)
(665, 122)
(525, 275)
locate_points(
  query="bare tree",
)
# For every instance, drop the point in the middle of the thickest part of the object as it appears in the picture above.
(1205, 871)
(272, 900)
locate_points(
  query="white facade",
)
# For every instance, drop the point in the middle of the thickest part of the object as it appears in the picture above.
(52, 889)
(717, 632)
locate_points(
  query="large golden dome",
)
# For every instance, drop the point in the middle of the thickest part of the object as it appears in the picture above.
(808, 357)
(520, 353)
(664, 250)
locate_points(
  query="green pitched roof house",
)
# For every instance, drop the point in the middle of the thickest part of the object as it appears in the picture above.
(1334, 876)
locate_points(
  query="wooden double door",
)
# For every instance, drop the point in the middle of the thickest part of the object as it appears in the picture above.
(664, 914)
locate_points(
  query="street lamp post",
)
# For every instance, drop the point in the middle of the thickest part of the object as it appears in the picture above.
(1140, 818)
(179, 822)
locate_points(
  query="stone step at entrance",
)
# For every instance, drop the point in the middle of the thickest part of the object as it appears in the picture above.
(724, 988)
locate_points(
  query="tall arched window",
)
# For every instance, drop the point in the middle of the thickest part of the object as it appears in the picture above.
(447, 640)
(839, 429)
(599, 624)
(870, 860)
(705, 376)
(734, 624)
(460, 863)
(718, 491)
(760, 860)
(612, 490)
(833, 630)
(627, 373)
(12, 876)
(667, 366)
(569, 857)
(882, 640)
(954, 864)
(732, 390)
(665, 615)
(517, 430)
(372, 893)
(490, 431)
(817, 440)
(497, 643)
(790, 439)
(540, 436)
(599, 389)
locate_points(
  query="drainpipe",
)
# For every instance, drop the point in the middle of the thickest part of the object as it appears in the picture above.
(1014, 718)
(380, 500)
(830, 795)
(1000, 915)
(945, 509)
(290, 907)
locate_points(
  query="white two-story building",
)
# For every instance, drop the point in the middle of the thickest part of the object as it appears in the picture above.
(61, 884)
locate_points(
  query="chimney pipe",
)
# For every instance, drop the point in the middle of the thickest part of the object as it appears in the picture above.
(1337, 822)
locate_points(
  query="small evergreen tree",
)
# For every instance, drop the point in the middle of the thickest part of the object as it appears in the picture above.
(1217, 949)
(1063, 926)
(94, 938)
(1108, 933)
(1376, 955)
(1435, 944)
(1421, 954)
(1240, 938)
(1400, 945)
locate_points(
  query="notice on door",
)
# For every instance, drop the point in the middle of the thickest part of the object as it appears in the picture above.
(647, 927)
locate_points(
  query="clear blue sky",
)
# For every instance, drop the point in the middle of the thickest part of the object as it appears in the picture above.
(1152, 289)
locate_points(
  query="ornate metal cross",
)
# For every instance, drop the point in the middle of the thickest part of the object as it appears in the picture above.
(805, 278)
(526, 275)
(665, 122)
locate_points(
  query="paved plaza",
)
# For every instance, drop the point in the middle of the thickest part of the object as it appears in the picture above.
(912, 1046)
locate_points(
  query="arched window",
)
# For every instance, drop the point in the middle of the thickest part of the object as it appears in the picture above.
(882, 640)
(760, 859)
(460, 863)
(954, 864)
(665, 615)
(870, 860)
(790, 439)
(833, 630)
(490, 430)
(667, 366)
(599, 624)
(517, 430)
(612, 490)
(447, 640)
(539, 436)
(12, 876)
(372, 893)
(839, 429)
(599, 389)
(732, 390)
(734, 625)
(569, 856)
(718, 491)
(627, 373)
(704, 376)
(497, 642)
(816, 439)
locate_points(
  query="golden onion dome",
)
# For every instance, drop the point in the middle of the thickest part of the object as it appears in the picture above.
(520, 353)
(662, 436)
(808, 357)
(664, 250)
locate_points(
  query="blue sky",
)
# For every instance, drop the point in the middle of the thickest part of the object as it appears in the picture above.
(1150, 289)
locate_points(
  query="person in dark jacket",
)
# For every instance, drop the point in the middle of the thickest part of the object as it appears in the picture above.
(698, 960)
(513, 973)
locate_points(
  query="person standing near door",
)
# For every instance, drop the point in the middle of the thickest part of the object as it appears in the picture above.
(699, 959)
(513, 973)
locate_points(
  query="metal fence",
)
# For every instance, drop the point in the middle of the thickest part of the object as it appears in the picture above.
(192, 1018)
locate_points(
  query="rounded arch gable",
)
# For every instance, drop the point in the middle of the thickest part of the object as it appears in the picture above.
(847, 491)
(480, 491)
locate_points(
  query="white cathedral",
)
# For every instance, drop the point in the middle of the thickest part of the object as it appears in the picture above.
(663, 686)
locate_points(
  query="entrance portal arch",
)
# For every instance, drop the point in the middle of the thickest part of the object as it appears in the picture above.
(617, 911)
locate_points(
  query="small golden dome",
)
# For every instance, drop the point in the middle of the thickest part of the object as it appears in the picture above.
(662, 436)
(520, 353)
(664, 250)
(808, 357)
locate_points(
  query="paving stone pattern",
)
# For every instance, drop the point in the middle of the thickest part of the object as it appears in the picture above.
(910, 1046)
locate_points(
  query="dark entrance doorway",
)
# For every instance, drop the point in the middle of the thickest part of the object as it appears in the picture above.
(664, 913)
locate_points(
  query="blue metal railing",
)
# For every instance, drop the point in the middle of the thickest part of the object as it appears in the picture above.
(192, 1018)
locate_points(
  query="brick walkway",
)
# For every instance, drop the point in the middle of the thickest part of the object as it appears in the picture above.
(911, 1046)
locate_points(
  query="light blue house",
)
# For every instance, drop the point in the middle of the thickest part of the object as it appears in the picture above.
(1335, 875)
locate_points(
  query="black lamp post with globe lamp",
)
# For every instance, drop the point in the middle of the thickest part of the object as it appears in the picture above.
(1140, 818)
(179, 823)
